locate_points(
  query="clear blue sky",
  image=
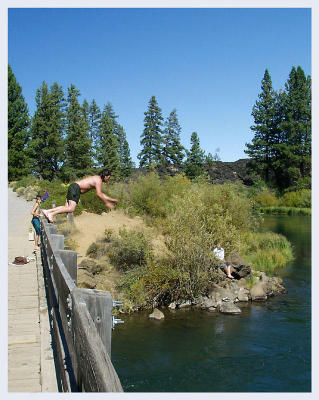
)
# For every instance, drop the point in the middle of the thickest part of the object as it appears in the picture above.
(206, 63)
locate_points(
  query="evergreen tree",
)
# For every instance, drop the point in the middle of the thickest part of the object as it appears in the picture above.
(293, 164)
(107, 145)
(195, 158)
(264, 112)
(151, 138)
(18, 123)
(126, 164)
(173, 152)
(46, 145)
(85, 113)
(94, 120)
(78, 143)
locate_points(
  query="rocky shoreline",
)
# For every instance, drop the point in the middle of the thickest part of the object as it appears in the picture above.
(225, 295)
(226, 298)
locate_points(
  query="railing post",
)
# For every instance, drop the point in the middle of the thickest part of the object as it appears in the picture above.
(70, 260)
(71, 218)
(100, 305)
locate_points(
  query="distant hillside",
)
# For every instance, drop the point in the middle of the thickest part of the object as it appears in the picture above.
(221, 173)
(231, 172)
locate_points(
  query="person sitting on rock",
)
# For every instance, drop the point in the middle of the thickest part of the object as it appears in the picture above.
(79, 187)
(220, 254)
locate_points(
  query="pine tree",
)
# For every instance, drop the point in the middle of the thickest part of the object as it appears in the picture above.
(126, 164)
(151, 138)
(264, 112)
(107, 145)
(123, 150)
(18, 136)
(195, 158)
(47, 146)
(57, 126)
(173, 152)
(294, 162)
(94, 121)
(78, 143)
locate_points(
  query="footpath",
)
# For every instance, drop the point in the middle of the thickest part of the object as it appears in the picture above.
(30, 355)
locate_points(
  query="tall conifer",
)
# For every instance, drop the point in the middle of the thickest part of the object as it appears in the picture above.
(173, 151)
(195, 158)
(151, 138)
(18, 136)
(46, 145)
(295, 148)
(107, 145)
(78, 143)
(264, 112)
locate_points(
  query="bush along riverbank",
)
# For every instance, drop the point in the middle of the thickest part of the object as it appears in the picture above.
(291, 203)
(170, 262)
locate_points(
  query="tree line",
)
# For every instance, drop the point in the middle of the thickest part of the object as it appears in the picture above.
(66, 140)
(281, 147)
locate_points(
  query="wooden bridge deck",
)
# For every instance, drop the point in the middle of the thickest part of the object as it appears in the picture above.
(30, 357)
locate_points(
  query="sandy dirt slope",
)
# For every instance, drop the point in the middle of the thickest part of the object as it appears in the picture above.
(90, 227)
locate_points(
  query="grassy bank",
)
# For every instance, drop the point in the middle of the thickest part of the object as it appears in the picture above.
(281, 210)
(290, 203)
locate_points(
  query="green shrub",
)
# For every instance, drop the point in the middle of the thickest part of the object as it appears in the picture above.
(29, 180)
(266, 251)
(266, 199)
(152, 195)
(132, 288)
(92, 250)
(20, 191)
(299, 199)
(129, 250)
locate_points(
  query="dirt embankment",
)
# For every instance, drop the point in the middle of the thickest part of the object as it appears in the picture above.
(90, 227)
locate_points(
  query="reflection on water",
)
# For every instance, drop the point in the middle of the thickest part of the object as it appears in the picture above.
(265, 349)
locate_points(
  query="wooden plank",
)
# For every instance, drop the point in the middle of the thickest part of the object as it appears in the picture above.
(95, 370)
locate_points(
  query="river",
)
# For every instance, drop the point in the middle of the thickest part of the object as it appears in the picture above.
(267, 348)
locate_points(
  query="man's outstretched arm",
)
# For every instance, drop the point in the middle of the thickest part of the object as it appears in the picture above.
(106, 199)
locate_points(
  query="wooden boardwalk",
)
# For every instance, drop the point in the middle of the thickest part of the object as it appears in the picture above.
(30, 357)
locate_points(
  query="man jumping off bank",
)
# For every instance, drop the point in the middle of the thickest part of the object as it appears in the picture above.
(79, 187)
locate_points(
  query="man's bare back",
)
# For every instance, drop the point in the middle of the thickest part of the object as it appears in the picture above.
(89, 183)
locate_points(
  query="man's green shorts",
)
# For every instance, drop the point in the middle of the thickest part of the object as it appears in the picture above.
(74, 192)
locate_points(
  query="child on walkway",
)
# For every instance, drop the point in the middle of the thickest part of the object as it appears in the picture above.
(36, 222)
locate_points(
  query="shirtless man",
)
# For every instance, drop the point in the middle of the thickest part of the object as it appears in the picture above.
(82, 186)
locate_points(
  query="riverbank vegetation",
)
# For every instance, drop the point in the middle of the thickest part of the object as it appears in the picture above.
(191, 217)
(290, 203)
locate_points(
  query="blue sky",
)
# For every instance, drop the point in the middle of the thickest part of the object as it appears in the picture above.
(207, 63)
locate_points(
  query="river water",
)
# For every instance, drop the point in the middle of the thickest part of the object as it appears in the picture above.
(267, 348)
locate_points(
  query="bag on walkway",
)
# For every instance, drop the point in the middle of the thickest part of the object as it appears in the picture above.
(20, 260)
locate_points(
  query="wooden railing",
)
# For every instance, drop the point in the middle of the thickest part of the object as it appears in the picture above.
(81, 321)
